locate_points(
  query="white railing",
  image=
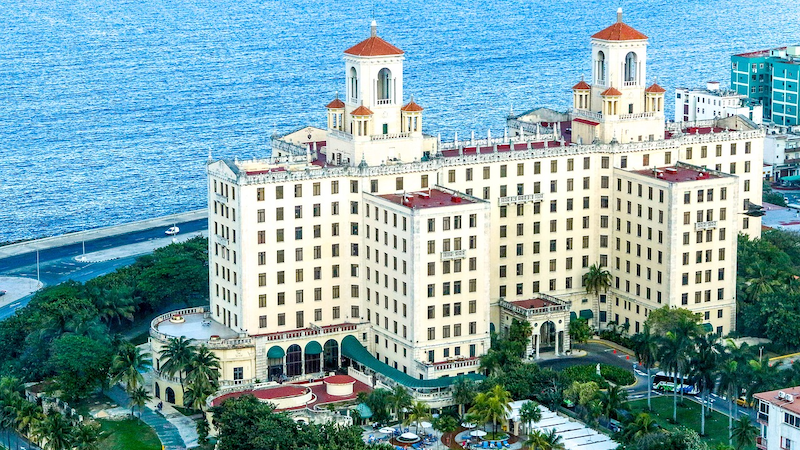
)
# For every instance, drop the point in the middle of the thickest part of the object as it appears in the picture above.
(457, 364)
(222, 240)
(521, 199)
(643, 115)
(454, 254)
(629, 83)
(587, 114)
(705, 225)
(385, 101)
(220, 198)
(381, 137)
(340, 135)
(558, 306)
(284, 335)
(229, 383)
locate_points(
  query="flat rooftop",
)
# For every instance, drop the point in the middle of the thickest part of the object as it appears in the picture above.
(533, 303)
(196, 326)
(433, 198)
(677, 174)
(773, 397)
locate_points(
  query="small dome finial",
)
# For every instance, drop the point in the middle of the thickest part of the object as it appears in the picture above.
(373, 28)
(619, 14)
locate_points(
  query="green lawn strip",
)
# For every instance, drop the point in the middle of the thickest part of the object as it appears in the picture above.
(127, 434)
(688, 416)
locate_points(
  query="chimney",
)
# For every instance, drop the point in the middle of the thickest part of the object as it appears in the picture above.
(619, 14)
(373, 29)
(712, 86)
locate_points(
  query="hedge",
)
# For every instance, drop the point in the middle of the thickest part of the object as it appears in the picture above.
(588, 372)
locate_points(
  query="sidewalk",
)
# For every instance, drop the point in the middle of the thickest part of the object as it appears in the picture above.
(167, 433)
(16, 288)
(137, 249)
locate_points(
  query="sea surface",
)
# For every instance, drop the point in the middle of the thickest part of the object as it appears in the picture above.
(109, 109)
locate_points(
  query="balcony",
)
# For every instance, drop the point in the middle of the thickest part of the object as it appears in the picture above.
(761, 443)
(223, 241)
(220, 198)
(385, 101)
(454, 254)
(762, 418)
(521, 199)
(705, 225)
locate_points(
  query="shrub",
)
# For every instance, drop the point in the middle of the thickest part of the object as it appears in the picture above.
(588, 372)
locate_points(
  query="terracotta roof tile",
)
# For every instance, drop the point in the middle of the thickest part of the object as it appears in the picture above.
(619, 32)
(611, 91)
(582, 86)
(336, 103)
(373, 46)
(411, 106)
(655, 88)
(361, 111)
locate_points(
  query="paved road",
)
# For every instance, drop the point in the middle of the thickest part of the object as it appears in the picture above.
(598, 353)
(58, 264)
(17, 442)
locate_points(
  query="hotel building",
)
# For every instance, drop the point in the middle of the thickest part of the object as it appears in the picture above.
(372, 244)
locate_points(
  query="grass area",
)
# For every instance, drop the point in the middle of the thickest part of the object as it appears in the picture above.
(186, 411)
(688, 416)
(127, 434)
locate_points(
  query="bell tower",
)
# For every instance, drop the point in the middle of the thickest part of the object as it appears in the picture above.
(374, 70)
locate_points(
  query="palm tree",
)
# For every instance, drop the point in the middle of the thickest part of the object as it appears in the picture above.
(55, 432)
(597, 280)
(491, 406)
(729, 384)
(463, 393)
(552, 441)
(114, 304)
(761, 279)
(645, 345)
(611, 400)
(401, 399)
(203, 363)
(763, 375)
(85, 437)
(672, 358)
(642, 425)
(139, 396)
(536, 440)
(445, 424)
(175, 358)
(28, 416)
(419, 412)
(530, 413)
(128, 364)
(705, 363)
(198, 390)
(744, 433)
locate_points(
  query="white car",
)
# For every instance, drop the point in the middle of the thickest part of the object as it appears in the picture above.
(172, 231)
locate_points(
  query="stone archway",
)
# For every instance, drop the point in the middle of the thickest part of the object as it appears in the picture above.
(330, 355)
(170, 394)
(547, 334)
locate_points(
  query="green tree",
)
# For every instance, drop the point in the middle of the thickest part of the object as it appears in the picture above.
(672, 355)
(579, 331)
(139, 396)
(491, 406)
(645, 346)
(667, 319)
(420, 411)
(176, 357)
(730, 382)
(597, 280)
(400, 399)
(744, 433)
(582, 393)
(379, 401)
(529, 413)
(54, 432)
(463, 393)
(642, 425)
(445, 424)
(704, 365)
(80, 365)
(86, 437)
(520, 332)
(611, 400)
(128, 364)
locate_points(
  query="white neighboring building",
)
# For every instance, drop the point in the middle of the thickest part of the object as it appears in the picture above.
(714, 103)
(779, 419)
(782, 151)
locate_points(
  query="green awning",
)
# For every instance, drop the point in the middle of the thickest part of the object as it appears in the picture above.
(275, 352)
(791, 178)
(708, 328)
(313, 348)
(363, 411)
(353, 349)
(586, 314)
(572, 316)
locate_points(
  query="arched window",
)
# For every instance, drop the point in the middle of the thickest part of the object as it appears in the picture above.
(630, 68)
(157, 391)
(601, 68)
(294, 361)
(353, 84)
(330, 355)
(384, 85)
(170, 395)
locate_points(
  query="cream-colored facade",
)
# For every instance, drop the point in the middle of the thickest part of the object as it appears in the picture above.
(294, 261)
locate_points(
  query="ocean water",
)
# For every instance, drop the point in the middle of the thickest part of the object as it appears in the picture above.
(110, 108)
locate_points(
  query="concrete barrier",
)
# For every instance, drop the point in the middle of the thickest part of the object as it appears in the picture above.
(96, 233)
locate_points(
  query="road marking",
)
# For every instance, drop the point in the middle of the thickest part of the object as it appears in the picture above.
(13, 304)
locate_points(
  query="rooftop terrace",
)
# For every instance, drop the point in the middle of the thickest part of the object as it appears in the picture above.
(678, 174)
(432, 198)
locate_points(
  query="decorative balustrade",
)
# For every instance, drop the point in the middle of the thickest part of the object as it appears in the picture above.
(559, 306)
(642, 115)
(454, 254)
(384, 101)
(521, 199)
(341, 135)
(223, 241)
(456, 364)
(630, 83)
(220, 198)
(705, 225)
(587, 114)
(284, 335)
(383, 137)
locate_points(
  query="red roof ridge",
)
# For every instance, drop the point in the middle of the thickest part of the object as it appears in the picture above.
(611, 91)
(373, 46)
(619, 31)
(336, 103)
(655, 88)
(361, 111)
(411, 106)
(581, 86)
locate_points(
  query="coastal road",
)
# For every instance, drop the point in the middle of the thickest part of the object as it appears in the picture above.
(58, 264)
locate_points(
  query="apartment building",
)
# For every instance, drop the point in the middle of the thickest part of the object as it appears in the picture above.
(771, 77)
(371, 240)
(778, 418)
(713, 102)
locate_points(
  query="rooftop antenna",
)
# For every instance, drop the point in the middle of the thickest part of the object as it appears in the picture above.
(619, 14)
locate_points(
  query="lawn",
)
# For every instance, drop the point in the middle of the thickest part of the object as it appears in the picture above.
(688, 416)
(127, 434)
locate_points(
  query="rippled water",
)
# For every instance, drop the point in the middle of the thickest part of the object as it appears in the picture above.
(109, 108)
